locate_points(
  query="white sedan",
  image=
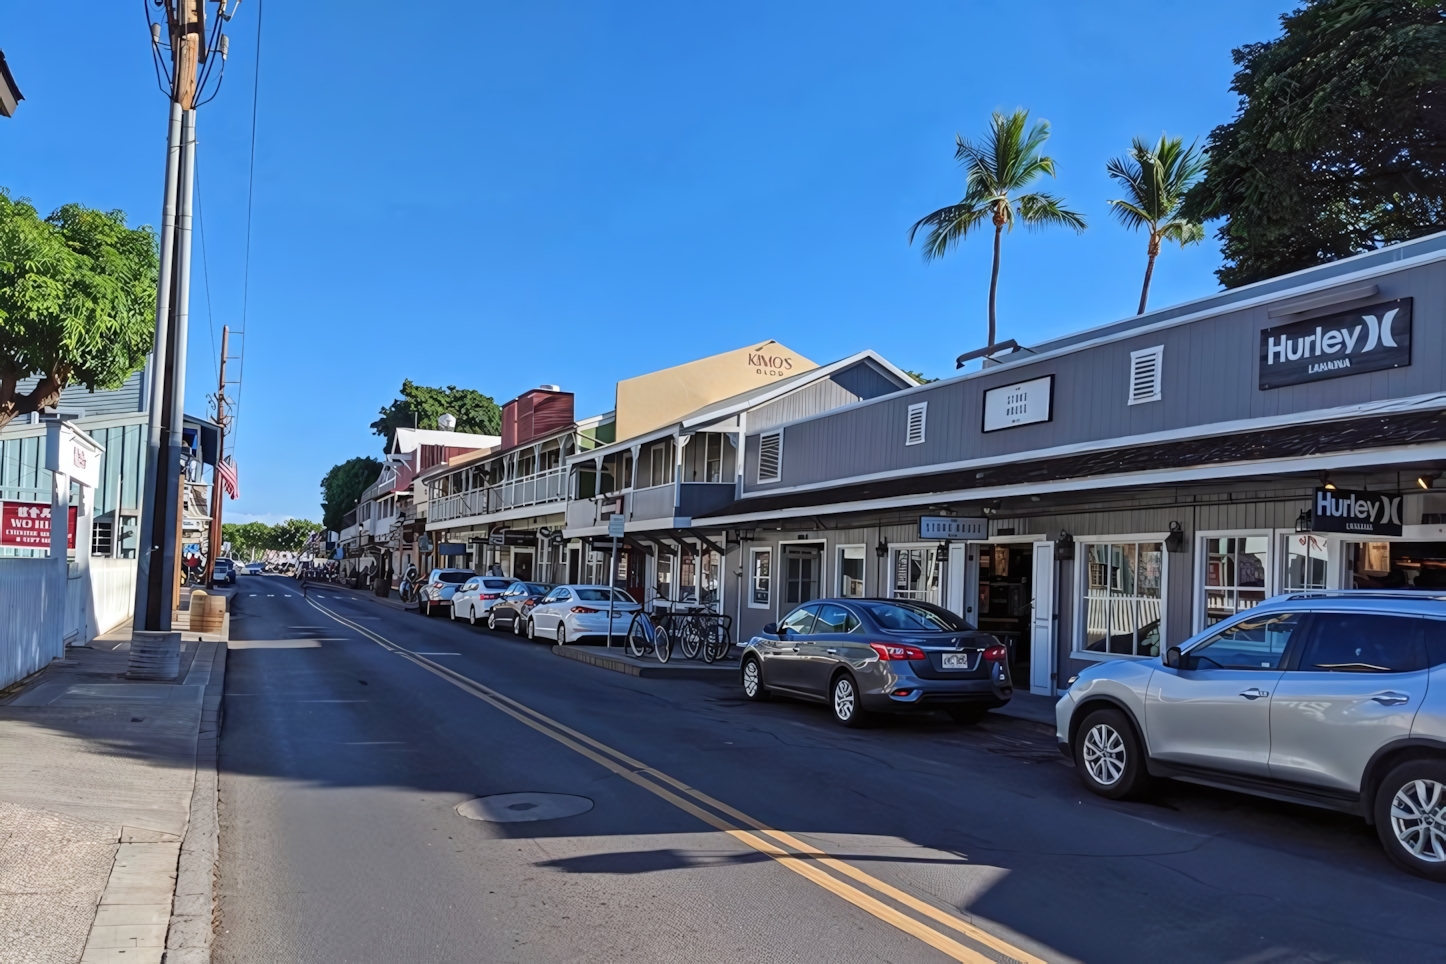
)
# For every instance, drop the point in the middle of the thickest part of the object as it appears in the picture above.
(478, 595)
(568, 613)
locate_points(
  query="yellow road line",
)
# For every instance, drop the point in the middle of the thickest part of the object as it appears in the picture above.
(805, 863)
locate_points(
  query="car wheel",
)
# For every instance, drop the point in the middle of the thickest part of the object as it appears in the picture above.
(1108, 756)
(1411, 817)
(968, 715)
(753, 687)
(517, 624)
(452, 612)
(492, 620)
(843, 699)
(561, 634)
(472, 615)
(531, 631)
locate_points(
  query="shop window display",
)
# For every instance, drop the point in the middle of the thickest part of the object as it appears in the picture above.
(1124, 607)
(1235, 568)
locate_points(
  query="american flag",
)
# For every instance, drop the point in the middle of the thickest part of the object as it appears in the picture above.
(226, 471)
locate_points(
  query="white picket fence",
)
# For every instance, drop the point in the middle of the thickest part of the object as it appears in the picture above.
(32, 616)
(112, 594)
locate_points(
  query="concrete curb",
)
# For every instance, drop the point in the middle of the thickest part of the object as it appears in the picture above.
(648, 669)
(193, 908)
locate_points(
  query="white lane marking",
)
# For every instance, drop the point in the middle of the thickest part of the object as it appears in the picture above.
(251, 594)
(333, 701)
(377, 743)
(271, 595)
(287, 596)
(437, 654)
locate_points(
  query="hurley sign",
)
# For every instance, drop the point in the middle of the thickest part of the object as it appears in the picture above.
(1365, 513)
(1366, 340)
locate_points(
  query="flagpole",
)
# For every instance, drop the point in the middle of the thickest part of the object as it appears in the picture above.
(221, 419)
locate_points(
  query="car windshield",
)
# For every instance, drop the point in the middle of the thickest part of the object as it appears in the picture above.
(459, 576)
(601, 595)
(495, 583)
(535, 589)
(917, 619)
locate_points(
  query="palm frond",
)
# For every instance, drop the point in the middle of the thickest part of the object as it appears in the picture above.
(1183, 232)
(1046, 210)
(948, 226)
(1155, 178)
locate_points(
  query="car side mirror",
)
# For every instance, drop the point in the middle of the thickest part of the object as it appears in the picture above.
(1172, 657)
(770, 629)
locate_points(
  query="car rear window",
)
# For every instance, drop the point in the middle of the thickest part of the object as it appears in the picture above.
(914, 619)
(601, 595)
(495, 583)
(536, 589)
(454, 576)
(1363, 643)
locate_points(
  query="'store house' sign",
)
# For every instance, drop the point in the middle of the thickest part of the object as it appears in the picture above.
(26, 525)
(1365, 513)
(1366, 340)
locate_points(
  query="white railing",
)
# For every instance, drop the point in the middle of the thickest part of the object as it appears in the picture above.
(32, 616)
(549, 486)
(112, 593)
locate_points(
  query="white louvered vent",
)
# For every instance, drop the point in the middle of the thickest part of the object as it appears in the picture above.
(918, 414)
(770, 456)
(1145, 366)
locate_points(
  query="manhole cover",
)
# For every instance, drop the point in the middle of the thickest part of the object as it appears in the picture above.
(524, 807)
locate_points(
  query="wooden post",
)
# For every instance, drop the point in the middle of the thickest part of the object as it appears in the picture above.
(213, 551)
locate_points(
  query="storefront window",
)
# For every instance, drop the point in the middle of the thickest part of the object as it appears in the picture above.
(760, 578)
(1235, 568)
(1307, 558)
(712, 564)
(1123, 602)
(916, 575)
(851, 572)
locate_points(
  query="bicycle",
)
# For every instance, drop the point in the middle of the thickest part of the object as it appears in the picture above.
(645, 638)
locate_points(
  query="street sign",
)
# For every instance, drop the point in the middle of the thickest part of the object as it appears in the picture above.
(937, 528)
(617, 523)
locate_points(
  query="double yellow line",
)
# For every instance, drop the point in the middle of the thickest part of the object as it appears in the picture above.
(830, 873)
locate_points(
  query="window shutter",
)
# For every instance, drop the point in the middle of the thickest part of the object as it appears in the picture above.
(914, 434)
(1145, 366)
(770, 456)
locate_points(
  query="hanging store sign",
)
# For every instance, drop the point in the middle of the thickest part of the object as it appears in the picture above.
(451, 549)
(1022, 403)
(1363, 513)
(938, 528)
(1366, 340)
(26, 525)
(507, 537)
(75, 454)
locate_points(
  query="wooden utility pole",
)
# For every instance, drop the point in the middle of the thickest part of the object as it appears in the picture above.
(214, 550)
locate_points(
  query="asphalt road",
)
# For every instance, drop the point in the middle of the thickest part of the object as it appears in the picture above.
(720, 830)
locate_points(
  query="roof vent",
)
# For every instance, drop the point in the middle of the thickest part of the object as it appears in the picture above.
(447, 422)
(550, 388)
(914, 433)
(770, 456)
(1145, 366)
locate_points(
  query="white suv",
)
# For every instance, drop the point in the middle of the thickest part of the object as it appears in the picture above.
(1333, 699)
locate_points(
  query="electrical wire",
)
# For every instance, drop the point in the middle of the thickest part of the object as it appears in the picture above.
(250, 196)
(206, 276)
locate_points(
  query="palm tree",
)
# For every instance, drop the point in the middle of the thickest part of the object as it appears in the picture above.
(1157, 179)
(1007, 161)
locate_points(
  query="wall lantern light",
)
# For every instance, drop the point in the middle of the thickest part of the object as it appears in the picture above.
(1427, 479)
(1303, 521)
(1175, 541)
(1064, 547)
(882, 549)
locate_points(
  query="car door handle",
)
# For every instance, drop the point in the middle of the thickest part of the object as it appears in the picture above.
(1391, 699)
(1254, 693)
(831, 652)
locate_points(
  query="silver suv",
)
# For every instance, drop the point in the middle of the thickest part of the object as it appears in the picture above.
(1333, 699)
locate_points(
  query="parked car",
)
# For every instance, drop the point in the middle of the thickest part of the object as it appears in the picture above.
(437, 591)
(254, 568)
(477, 595)
(1332, 699)
(569, 613)
(516, 602)
(865, 656)
(224, 572)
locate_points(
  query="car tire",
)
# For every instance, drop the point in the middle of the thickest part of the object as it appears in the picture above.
(968, 715)
(492, 620)
(1410, 812)
(561, 634)
(843, 701)
(531, 630)
(751, 675)
(452, 612)
(518, 624)
(471, 615)
(1108, 755)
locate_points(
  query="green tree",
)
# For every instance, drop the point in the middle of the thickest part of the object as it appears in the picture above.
(420, 407)
(342, 486)
(995, 170)
(1156, 179)
(1339, 142)
(77, 301)
(919, 376)
(246, 537)
(291, 535)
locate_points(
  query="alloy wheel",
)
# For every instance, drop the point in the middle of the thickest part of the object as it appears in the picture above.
(845, 703)
(472, 615)
(750, 678)
(1418, 818)
(492, 620)
(1104, 754)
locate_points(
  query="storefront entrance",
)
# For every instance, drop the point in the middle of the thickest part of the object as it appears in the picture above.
(1397, 565)
(1009, 591)
(802, 575)
(522, 564)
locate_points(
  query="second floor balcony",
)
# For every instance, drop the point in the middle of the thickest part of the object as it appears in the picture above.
(529, 490)
(654, 504)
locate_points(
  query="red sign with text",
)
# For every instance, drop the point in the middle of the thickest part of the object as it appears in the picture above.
(26, 525)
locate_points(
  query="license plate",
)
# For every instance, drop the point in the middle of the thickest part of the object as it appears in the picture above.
(955, 661)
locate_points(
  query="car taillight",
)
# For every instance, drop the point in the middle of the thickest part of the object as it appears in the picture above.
(996, 653)
(896, 651)
(490, 595)
(585, 609)
(438, 585)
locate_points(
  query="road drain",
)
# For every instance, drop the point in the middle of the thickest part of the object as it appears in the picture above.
(523, 807)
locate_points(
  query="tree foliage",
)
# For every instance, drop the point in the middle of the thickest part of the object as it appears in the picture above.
(342, 486)
(1004, 163)
(77, 301)
(1339, 143)
(1156, 180)
(287, 536)
(420, 407)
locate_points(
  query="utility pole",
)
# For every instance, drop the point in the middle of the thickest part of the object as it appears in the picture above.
(188, 69)
(214, 550)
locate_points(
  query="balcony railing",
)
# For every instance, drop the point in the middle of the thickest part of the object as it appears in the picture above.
(544, 487)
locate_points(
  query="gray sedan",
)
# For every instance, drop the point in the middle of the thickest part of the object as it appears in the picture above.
(862, 656)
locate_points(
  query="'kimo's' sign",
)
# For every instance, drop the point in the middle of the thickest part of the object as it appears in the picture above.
(1366, 340)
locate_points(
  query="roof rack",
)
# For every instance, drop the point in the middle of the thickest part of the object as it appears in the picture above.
(1369, 593)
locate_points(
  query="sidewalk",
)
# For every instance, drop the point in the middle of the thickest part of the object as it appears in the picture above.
(107, 808)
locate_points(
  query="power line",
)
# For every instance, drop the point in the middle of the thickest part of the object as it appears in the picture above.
(250, 196)
(205, 269)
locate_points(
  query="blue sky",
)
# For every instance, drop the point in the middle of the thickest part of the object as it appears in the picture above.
(581, 192)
